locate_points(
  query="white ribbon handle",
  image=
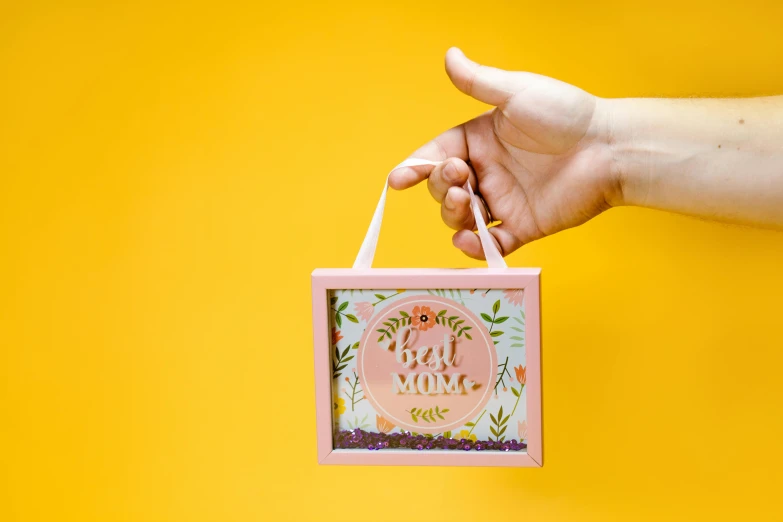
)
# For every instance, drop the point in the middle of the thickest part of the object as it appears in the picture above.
(370, 243)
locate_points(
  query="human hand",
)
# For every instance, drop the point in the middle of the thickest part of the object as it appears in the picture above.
(541, 159)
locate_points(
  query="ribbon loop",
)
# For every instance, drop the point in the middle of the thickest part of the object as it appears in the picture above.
(370, 243)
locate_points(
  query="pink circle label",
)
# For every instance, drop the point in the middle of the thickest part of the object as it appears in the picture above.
(427, 364)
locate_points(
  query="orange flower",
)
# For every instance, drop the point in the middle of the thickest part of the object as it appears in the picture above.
(521, 374)
(423, 318)
(514, 296)
(383, 425)
(335, 335)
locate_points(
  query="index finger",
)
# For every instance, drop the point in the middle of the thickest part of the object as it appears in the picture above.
(450, 144)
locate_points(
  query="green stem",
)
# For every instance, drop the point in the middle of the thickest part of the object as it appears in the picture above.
(385, 298)
(476, 423)
(518, 397)
(494, 314)
(335, 310)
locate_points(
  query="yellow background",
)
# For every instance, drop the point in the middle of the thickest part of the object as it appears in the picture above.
(171, 174)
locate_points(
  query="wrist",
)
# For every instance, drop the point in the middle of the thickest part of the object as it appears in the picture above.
(613, 142)
(633, 154)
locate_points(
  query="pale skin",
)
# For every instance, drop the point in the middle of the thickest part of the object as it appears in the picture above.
(549, 156)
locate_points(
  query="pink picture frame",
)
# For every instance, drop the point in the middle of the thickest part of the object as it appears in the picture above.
(325, 280)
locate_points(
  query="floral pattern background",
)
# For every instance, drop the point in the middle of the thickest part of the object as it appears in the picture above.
(503, 313)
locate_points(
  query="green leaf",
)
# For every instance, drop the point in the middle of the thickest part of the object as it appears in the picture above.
(333, 299)
(500, 413)
(351, 318)
(380, 338)
(447, 434)
(379, 296)
(425, 419)
(339, 368)
(415, 418)
(469, 337)
(404, 314)
(514, 391)
(381, 330)
(386, 323)
(430, 412)
(394, 320)
(355, 346)
(496, 333)
(486, 317)
(520, 330)
(345, 352)
(338, 320)
(466, 328)
(437, 409)
(470, 424)
(494, 420)
(517, 345)
(492, 429)
(389, 335)
(343, 306)
(504, 421)
(517, 338)
(444, 411)
(441, 313)
(460, 322)
(501, 320)
(441, 417)
(501, 432)
(336, 352)
(453, 317)
(348, 358)
(496, 306)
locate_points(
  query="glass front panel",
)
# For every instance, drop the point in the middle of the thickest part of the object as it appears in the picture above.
(430, 370)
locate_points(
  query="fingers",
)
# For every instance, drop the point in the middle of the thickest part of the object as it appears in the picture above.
(451, 173)
(487, 84)
(470, 244)
(451, 143)
(456, 211)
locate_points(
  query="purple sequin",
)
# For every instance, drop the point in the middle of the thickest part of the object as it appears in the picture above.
(360, 439)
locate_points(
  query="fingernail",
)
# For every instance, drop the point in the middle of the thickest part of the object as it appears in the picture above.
(450, 173)
(447, 202)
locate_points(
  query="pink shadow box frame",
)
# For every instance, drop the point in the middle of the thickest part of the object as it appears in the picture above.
(324, 280)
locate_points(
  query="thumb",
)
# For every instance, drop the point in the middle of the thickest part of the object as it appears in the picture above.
(486, 84)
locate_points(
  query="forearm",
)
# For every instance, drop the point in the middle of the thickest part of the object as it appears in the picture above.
(714, 158)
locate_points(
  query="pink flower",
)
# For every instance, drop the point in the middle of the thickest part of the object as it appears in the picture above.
(364, 310)
(514, 296)
(522, 430)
